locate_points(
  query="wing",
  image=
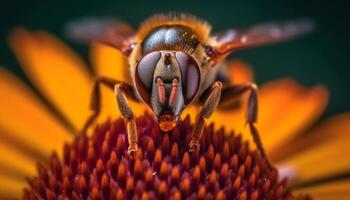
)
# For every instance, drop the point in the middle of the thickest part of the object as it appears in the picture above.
(262, 34)
(104, 30)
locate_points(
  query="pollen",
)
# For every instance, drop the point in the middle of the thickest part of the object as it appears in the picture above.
(98, 167)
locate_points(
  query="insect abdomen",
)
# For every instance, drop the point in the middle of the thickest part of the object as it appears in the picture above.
(170, 37)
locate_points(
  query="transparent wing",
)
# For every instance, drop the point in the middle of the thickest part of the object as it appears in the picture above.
(260, 35)
(104, 30)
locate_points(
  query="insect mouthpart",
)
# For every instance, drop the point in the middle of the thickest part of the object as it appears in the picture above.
(167, 121)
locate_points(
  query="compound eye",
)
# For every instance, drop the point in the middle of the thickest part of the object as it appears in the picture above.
(190, 75)
(144, 74)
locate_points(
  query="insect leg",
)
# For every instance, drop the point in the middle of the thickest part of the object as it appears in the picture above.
(127, 114)
(210, 103)
(95, 104)
(252, 112)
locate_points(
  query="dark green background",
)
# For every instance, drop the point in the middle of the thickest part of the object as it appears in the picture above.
(321, 57)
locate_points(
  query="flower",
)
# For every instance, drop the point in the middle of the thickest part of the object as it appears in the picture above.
(32, 126)
(97, 168)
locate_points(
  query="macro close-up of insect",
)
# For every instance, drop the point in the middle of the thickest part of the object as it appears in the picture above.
(240, 100)
(174, 61)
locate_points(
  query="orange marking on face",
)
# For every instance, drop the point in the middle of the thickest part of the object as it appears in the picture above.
(161, 90)
(174, 91)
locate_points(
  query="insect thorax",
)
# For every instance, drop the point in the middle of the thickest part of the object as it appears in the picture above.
(170, 37)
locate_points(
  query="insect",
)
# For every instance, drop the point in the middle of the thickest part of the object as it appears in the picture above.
(175, 61)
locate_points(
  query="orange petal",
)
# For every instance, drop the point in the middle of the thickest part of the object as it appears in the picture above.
(11, 188)
(332, 128)
(327, 157)
(56, 71)
(286, 109)
(192, 111)
(230, 119)
(109, 62)
(14, 163)
(240, 72)
(26, 121)
(339, 190)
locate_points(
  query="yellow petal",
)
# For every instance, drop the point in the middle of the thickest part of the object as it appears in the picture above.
(328, 157)
(56, 71)
(26, 121)
(111, 63)
(10, 188)
(339, 190)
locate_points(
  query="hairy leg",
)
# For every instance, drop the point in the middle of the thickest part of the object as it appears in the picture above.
(210, 103)
(95, 102)
(121, 90)
(235, 91)
(128, 115)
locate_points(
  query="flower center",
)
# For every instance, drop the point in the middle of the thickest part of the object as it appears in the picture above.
(97, 167)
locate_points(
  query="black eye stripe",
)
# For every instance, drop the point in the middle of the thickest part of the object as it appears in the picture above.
(144, 73)
(190, 75)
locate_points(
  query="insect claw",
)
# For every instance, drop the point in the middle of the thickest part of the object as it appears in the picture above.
(194, 145)
(132, 150)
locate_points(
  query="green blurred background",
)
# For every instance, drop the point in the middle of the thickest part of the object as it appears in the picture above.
(321, 57)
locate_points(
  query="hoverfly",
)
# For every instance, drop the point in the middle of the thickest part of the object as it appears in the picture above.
(175, 61)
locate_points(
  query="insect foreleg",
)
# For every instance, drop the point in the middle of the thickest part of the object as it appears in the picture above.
(210, 103)
(127, 114)
(95, 102)
(252, 112)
